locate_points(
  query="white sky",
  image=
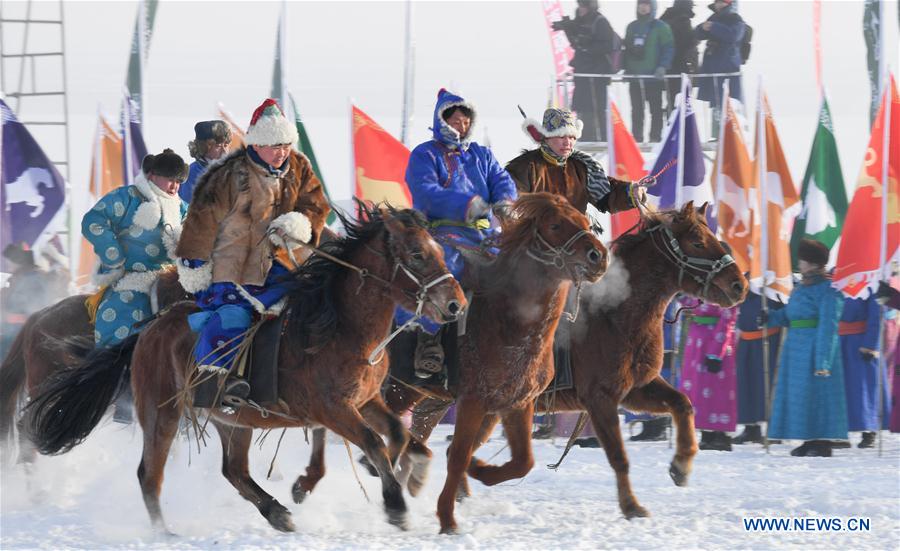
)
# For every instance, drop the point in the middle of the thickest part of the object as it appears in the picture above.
(496, 54)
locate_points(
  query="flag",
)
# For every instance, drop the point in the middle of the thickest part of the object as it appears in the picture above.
(822, 192)
(237, 134)
(732, 178)
(561, 49)
(279, 91)
(305, 147)
(684, 181)
(32, 193)
(625, 163)
(872, 14)
(771, 258)
(140, 45)
(380, 163)
(133, 148)
(857, 272)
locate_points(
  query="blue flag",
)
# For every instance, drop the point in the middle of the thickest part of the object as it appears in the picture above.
(33, 191)
(133, 148)
(693, 188)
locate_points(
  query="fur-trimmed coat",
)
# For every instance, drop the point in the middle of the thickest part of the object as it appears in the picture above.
(533, 173)
(233, 207)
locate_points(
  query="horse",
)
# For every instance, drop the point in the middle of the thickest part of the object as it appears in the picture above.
(57, 337)
(339, 308)
(617, 347)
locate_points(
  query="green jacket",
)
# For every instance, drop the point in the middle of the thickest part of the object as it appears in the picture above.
(657, 50)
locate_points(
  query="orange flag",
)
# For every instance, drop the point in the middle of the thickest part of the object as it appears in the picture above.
(106, 175)
(237, 135)
(772, 241)
(380, 163)
(626, 163)
(732, 178)
(857, 272)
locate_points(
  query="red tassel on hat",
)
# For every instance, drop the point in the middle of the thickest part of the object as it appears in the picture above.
(262, 109)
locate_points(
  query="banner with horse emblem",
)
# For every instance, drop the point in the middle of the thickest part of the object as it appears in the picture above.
(33, 191)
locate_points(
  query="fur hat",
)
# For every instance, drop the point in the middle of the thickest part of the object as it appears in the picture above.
(205, 131)
(269, 126)
(557, 122)
(813, 252)
(168, 164)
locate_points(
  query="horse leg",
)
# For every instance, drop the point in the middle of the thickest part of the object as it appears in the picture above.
(314, 471)
(235, 466)
(380, 418)
(484, 432)
(469, 416)
(604, 414)
(350, 424)
(160, 425)
(658, 396)
(517, 424)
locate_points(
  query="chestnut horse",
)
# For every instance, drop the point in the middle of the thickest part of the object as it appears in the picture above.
(54, 338)
(340, 308)
(617, 343)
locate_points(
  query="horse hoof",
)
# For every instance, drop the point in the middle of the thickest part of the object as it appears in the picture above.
(679, 477)
(364, 461)
(280, 519)
(418, 473)
(299, 494)
(398, 519)
(451, 530)
(635, 511)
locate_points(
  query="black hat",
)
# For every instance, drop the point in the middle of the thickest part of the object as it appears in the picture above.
(168, 164)
(19, 254)
(813, 252)
(218, 131)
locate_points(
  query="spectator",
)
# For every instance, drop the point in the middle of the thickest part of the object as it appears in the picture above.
(890, 297)
(649, 48)
(678, 18)
(211, 139)
(723, 32)
(592, 38)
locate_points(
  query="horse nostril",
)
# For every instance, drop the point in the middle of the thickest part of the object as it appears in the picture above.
(737, 287)
(453, 307)
(594, 256)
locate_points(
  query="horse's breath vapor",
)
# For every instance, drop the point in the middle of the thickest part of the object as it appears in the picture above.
(612, 290)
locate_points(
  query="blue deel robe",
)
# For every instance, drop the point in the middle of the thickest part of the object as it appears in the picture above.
(750, 376)
(806, 406)
(444, 175)
(860, 381)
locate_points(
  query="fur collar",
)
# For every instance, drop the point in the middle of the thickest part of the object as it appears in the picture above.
(157, 207)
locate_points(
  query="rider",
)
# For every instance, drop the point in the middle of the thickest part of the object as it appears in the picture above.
(458, 185)
(557, 167)
(211, 140)
(134, 230)
(246, 208)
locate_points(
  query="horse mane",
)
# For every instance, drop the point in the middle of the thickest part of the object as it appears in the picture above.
(649, 220)
(528, 211)
(311, 293)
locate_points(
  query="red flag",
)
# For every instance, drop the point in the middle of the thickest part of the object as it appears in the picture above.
(380, 161)
(733, 179)
(857, 272)
(628, 165)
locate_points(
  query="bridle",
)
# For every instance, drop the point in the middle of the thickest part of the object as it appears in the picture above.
(706, 269)
(545, 253)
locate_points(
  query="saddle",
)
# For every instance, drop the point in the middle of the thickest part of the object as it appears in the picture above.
(261, 369)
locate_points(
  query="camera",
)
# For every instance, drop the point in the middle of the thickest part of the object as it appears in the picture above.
(562, 24)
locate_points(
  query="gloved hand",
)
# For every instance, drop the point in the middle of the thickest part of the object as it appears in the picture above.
(478, 208)
(659, 73)
(637, 194)
(868, 354)
(762, 320)
(883, 295)
(713, 363)
(502, 210)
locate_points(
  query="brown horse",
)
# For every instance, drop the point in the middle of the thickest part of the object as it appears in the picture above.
(54, 338)
(617, 345)
(329, 371)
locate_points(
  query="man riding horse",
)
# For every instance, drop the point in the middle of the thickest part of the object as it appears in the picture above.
(258, 201)
(459, 185)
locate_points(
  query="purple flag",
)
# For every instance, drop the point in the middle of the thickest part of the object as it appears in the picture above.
(133, 147)
(32, 192)
(663, 194)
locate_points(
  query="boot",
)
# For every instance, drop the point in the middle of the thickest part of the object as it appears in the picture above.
(235, 392)
(752, 435)
(588, 442)
(543, 432)
(429, 354)
(868, 440)
(802, 450)
(653, 430)
(715, 440)
(819, 448)
(839, 444)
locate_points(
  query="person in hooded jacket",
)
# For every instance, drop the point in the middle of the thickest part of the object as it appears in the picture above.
(678, 18)
(210, 143)
(649, 48)
(459, 186)
(592, 38)
(723, 32)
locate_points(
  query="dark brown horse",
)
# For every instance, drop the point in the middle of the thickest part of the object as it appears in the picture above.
(54, 338)
(338, 313)
(617, 342)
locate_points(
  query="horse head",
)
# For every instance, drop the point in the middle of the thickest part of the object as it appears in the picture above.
(553, 233)
(420, 281)
(705, 266)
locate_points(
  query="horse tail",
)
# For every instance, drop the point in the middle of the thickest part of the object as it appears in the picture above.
(73, 401)
(12, 378)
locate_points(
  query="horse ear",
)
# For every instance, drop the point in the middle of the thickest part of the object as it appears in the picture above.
(390, 221)
(701, 210)
(687, 211)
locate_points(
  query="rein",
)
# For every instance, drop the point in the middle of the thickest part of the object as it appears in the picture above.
(708, 269)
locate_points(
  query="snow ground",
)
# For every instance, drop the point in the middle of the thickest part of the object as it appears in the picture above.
(89, 499)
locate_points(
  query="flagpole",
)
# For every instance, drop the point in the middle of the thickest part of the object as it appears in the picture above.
(882, 253)
(720, 147)
(126, 139)
(282, 46)
(408, 77)
(142, 30)
(679, 167)
(763, 249)
(610, 141)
